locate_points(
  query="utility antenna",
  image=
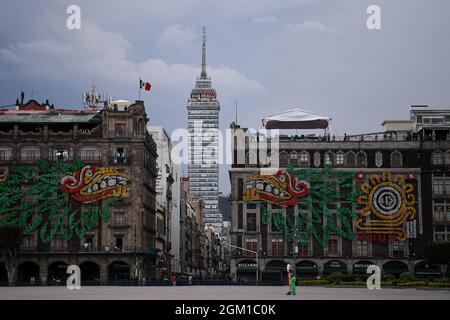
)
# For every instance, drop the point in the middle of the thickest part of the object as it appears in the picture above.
(203, 75)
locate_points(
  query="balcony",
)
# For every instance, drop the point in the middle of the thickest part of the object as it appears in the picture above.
(120, 160)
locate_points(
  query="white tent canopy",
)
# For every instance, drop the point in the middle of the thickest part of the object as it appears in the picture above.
(296, 119)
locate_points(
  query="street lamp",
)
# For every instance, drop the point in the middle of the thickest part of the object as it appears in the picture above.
(224, 242)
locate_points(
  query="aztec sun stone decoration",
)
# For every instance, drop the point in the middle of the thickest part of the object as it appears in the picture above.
(282, 188)
(388, 202)
(91, 183)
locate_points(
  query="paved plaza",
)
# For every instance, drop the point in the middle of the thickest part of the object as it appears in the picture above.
(219, 293)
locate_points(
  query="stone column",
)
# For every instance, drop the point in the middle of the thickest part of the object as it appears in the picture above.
(103, 273)
(43, 273)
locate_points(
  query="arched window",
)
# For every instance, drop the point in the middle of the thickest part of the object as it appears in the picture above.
(328, 158)
(396, 159)
(30, 153)
(304, 158)
(91, 153)
(283, 159)
(339, 159)
(437, 158)
(293, 158)
(361, 159)
(5, 154)
(351, 159)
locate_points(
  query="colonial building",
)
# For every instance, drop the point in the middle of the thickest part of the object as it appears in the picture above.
(82, 183)
(338, 204)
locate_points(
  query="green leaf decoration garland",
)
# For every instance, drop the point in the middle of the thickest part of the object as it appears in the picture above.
(31, 196)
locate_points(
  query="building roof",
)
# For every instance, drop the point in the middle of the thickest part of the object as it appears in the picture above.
(53, 117)
(296, 119)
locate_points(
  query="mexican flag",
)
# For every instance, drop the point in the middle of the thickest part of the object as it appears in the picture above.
(145, 85)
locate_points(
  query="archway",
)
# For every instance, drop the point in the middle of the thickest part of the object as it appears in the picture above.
(426, 269)
(306, 269)
(3, 275)
(275, 273)
(334, 266)
(360, 267)
(395, 268)
(246, 271)
(90, 273)
(28, 273)
(119, 272)
(57, 273)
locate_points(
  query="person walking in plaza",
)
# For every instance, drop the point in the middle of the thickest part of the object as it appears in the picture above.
(174, 280)
(293, 284)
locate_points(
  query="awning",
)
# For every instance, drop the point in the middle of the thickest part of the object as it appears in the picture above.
(246, 270)
(296, 119)
(306, 270)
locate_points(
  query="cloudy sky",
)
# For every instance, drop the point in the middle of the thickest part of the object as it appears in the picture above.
(270, 55)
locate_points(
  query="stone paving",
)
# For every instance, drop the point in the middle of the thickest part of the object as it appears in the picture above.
(219, 293)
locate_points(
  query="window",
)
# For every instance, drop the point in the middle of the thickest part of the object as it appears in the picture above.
(351, 159)
(283, 159)
(58, 243)
(5, 154)
(251, 244)
(119, 218)
(396, 159)
(447, 158)
(294, 159)
(361, 159)
(277, 247)
(240, 216)
(339, 159)
(328, 158)
(332, 247)
(251, 221)
(30, 153)
(439, 237)
(438, 186)
(303, 250)
(437, 158)
(398, 249)
(438, 213)
(304, 158)
(240, 188)
(60, 155)
(119, 129)
(119, 243)
(250, 158)
(120, 157)
(28, 243)
(90, 154)
(362, 248)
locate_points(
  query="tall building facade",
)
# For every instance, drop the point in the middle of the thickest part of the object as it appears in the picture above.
(83, 183)
(341, 204)
(165, 188)
(203, 125)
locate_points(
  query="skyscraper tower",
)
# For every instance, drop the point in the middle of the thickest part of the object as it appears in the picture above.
(203, 125)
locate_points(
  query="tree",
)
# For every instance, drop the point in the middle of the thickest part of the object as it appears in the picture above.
(11, 238)
(439, 253)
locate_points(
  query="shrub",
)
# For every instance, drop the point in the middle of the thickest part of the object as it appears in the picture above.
(413, 284)
(335, 277)
(439, 284)
(407, 277)
(354, 283)
(313, 282)
(390, 277)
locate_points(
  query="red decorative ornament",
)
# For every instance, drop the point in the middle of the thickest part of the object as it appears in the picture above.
(360, 175)
(411, 176)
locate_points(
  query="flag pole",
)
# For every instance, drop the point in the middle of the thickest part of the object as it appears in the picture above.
(140, 81)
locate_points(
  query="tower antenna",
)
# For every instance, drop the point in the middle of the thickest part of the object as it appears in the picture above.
(236, 112)
(203, 75)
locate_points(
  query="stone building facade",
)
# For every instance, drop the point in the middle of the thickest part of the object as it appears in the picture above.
(400, 175)
(110, 153)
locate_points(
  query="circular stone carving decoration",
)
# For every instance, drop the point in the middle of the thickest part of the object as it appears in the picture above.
(387, 200)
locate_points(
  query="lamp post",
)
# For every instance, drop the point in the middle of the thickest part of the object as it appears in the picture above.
(224, 242)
